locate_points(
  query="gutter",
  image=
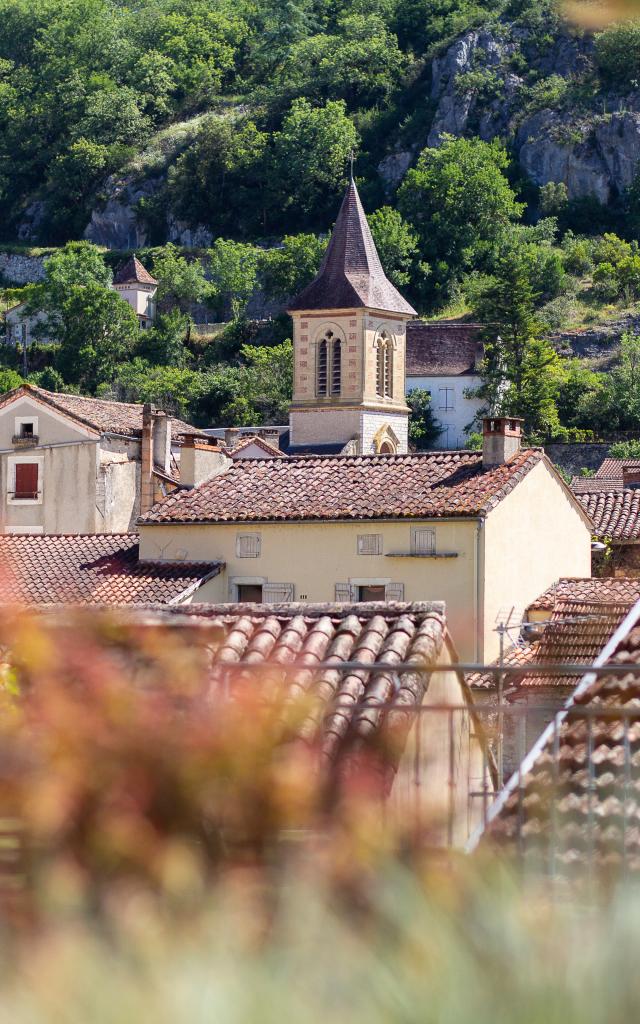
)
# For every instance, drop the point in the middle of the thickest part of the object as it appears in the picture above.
(279, 522)
(478, 594)
(527, 764)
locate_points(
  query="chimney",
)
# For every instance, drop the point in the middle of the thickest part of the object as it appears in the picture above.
(200, 461)
(161, 427)
(146, 458)
(501, 437)
(272, 436)
(231, 437)
(631, 477)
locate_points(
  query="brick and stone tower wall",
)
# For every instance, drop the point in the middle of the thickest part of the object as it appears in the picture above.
(349, 335)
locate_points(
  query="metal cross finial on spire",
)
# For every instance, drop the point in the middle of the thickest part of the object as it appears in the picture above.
(352, 157)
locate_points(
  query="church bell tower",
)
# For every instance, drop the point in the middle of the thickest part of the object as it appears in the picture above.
(349, 339)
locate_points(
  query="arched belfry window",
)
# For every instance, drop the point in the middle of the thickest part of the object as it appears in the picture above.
(336, 367)
(329, 365)
(384, 365)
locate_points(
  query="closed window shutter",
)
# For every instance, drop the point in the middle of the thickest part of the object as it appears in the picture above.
(370, 544)
(424, 542)
(277, 593)
(26, 480)
(394, 592)
(343, 592)
(248, 545)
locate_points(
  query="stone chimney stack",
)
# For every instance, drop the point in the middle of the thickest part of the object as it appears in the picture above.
(161, 427)
(146, 458)
(501, 439)
(200, 460)
(231, 437)
(631, 477)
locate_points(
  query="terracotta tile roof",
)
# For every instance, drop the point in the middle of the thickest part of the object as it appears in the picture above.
(593, 484)
(133, 273)
(98, 569)
(612, 468)
(582, 616)
(343, 487)
(606, 590)
(98, 413)
(443, 349)
(615, 514)
(351, 275)
(577, 804)
(343, 703)
(270, 450)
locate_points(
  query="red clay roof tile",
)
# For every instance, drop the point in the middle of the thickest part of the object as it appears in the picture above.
(94, 569)
(433, 484)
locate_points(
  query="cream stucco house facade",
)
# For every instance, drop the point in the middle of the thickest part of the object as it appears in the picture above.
(70, 464)
(484, 532)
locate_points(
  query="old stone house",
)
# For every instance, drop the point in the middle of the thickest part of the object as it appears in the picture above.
(70, 464)
(133, 283)
(482, 531)
(615, 511)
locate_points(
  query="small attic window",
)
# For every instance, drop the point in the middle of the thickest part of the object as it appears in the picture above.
(26, 429)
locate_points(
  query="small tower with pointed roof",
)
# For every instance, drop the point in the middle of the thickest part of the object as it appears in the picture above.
(137, 287)
(349, 333)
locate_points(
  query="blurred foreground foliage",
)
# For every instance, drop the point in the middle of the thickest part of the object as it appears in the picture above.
(136, 904)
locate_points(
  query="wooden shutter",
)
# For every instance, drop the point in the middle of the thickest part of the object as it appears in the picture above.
(394, 592)
(277, 593)
(248, 545)
(26, 480)
(424, 541)
(370, 544)
(343, 592)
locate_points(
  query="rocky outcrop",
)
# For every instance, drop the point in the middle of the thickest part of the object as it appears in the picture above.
(117, 223)
(594, 150)
(17, 269)
(598, 159)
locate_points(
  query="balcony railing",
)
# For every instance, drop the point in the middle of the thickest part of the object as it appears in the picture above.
(25, 440)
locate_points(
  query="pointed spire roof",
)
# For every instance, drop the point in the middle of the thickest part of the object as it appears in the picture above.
(133, 273)
(351, 275)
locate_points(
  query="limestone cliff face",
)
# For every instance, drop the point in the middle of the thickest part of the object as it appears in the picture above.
(500, 82)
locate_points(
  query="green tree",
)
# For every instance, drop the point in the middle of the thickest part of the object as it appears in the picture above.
(424, 430)
(287, 269)
(175, 389)
(234, 272)
(458, 201)
(618, 53)
(181, 282)
(397, 246)
(625, 450)
(539, 388)
(9, 379)
(96, 330)
(165, 343)
(220, 180)
(310, 158)
(507, 306)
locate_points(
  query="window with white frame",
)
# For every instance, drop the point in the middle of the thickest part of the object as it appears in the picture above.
(370, 544)
(24, 480)
(423, 541)
(248, 545)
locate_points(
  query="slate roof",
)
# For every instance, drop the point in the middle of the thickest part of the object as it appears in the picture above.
(615, 514)
(97, 413)
(351, 275)
(344, 704)
(442, 349)
(133, 273)
(98, 569)
(348, 487)
(576, 805)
